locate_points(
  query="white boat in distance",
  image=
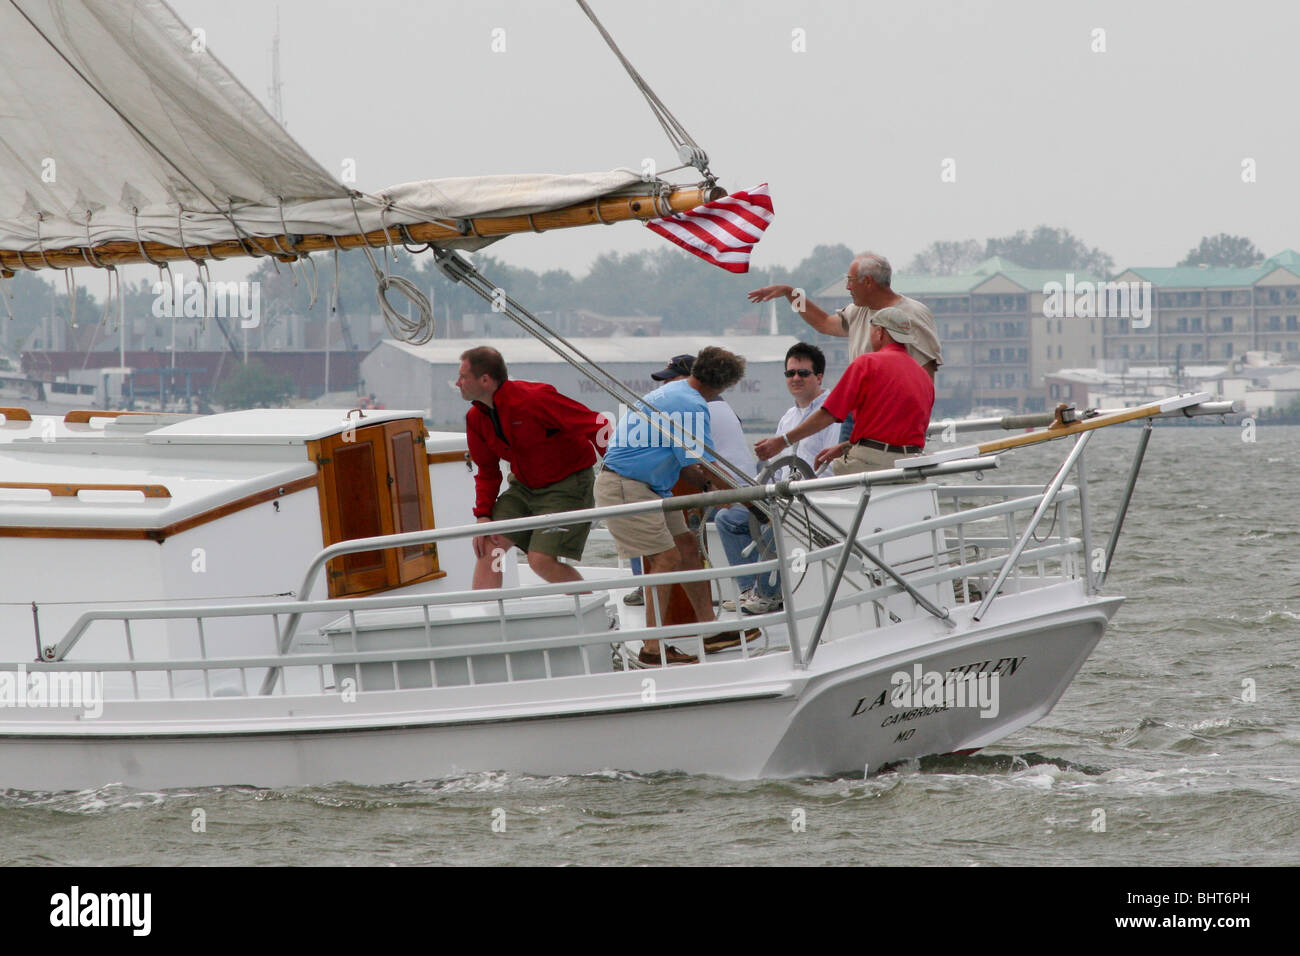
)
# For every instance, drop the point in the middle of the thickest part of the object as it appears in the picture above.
(281, 597)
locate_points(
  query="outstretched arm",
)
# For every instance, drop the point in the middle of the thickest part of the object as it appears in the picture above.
(770, 448)
(827, 323)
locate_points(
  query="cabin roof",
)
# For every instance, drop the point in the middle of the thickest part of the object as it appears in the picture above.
(274, 426)
(203, 462)
(194, 483)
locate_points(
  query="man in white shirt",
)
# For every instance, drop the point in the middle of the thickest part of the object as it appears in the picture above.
(729, 438)
(804, 367)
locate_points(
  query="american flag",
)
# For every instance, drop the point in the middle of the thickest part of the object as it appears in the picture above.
(723, 231)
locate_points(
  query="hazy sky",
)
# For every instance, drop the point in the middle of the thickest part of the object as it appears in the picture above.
(1138, 149)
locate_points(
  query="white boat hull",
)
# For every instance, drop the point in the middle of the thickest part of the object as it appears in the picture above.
(742, 719)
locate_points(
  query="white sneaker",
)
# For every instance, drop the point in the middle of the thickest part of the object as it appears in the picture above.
(730, 605)
(757, 604)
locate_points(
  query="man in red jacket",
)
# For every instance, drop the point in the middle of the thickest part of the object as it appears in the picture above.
(550, 442)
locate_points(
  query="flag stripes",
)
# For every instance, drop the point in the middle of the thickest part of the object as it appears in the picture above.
(723, 231)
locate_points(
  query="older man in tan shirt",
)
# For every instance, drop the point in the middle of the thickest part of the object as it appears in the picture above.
(868, 282)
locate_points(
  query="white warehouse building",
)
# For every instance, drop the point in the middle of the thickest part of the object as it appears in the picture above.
(420, 376)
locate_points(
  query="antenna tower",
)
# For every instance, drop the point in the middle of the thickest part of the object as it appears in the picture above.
(277, 104)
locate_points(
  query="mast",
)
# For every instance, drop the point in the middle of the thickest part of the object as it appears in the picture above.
(277, 104)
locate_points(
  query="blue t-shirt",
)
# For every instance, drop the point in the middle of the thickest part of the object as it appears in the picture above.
(657, 455)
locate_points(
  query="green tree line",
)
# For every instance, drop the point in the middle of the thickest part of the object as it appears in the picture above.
(688, 293)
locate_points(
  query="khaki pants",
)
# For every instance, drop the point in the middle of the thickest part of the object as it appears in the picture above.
(636, 536)
(861, 458)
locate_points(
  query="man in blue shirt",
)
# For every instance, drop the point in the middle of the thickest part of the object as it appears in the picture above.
(647, 454)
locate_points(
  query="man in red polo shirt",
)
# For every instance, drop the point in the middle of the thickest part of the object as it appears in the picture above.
(550, 442)
(889, 396)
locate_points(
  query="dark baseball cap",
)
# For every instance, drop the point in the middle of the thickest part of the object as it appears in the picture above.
(678, 365)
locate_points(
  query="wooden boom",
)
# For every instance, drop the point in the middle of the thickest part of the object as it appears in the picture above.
(601, 211)
(1061, 429)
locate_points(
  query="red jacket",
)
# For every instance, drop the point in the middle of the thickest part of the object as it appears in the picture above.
(544, 435)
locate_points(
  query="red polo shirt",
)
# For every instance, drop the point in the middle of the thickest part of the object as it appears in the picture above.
(544, 435)
(889, 396)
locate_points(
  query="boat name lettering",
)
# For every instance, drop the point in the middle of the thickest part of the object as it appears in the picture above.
(953, 689)
(913, 714)
(946, 688)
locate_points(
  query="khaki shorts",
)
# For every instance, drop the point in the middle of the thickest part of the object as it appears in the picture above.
(860, 458)
(637, 535)
(567, 494)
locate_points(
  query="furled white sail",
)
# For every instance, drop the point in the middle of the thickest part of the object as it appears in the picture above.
(116, 123)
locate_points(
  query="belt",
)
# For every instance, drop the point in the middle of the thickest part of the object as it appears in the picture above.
(891, 449)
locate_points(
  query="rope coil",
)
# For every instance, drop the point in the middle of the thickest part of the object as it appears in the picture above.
(416, 331)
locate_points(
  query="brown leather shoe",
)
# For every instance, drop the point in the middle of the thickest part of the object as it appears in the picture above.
(671, 655)
(729, 639)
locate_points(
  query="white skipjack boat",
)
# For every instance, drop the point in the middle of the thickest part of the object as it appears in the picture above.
(281, 597)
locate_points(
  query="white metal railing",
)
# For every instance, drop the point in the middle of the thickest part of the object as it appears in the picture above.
(973, 548)
(980, 551)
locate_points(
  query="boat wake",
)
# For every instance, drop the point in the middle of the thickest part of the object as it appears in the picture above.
(113, 796)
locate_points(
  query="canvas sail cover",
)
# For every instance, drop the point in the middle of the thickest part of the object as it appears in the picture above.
(117, 124)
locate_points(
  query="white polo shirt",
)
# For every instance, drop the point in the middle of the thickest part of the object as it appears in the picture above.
(809, 448)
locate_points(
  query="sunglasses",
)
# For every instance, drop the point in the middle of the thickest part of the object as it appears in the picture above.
(801, 372)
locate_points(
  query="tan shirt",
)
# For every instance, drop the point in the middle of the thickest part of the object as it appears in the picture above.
(856, 320)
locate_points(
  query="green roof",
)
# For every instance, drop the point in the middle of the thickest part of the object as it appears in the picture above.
(1033, 280)
(1287, 259)
(1197, 277)
(993, 264)
(918, 283)
(1217, 277)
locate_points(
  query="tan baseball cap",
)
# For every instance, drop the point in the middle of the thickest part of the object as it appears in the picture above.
(897, 323)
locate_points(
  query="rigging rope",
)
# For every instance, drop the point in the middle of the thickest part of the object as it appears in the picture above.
(70, 286)
(417, 331)
(688, 151)
(111, 272)
(458, 269)
(7, 294)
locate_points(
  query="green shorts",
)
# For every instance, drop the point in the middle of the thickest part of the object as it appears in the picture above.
(567, 494)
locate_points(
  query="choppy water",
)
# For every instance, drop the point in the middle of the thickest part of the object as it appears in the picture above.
(1154, 734)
